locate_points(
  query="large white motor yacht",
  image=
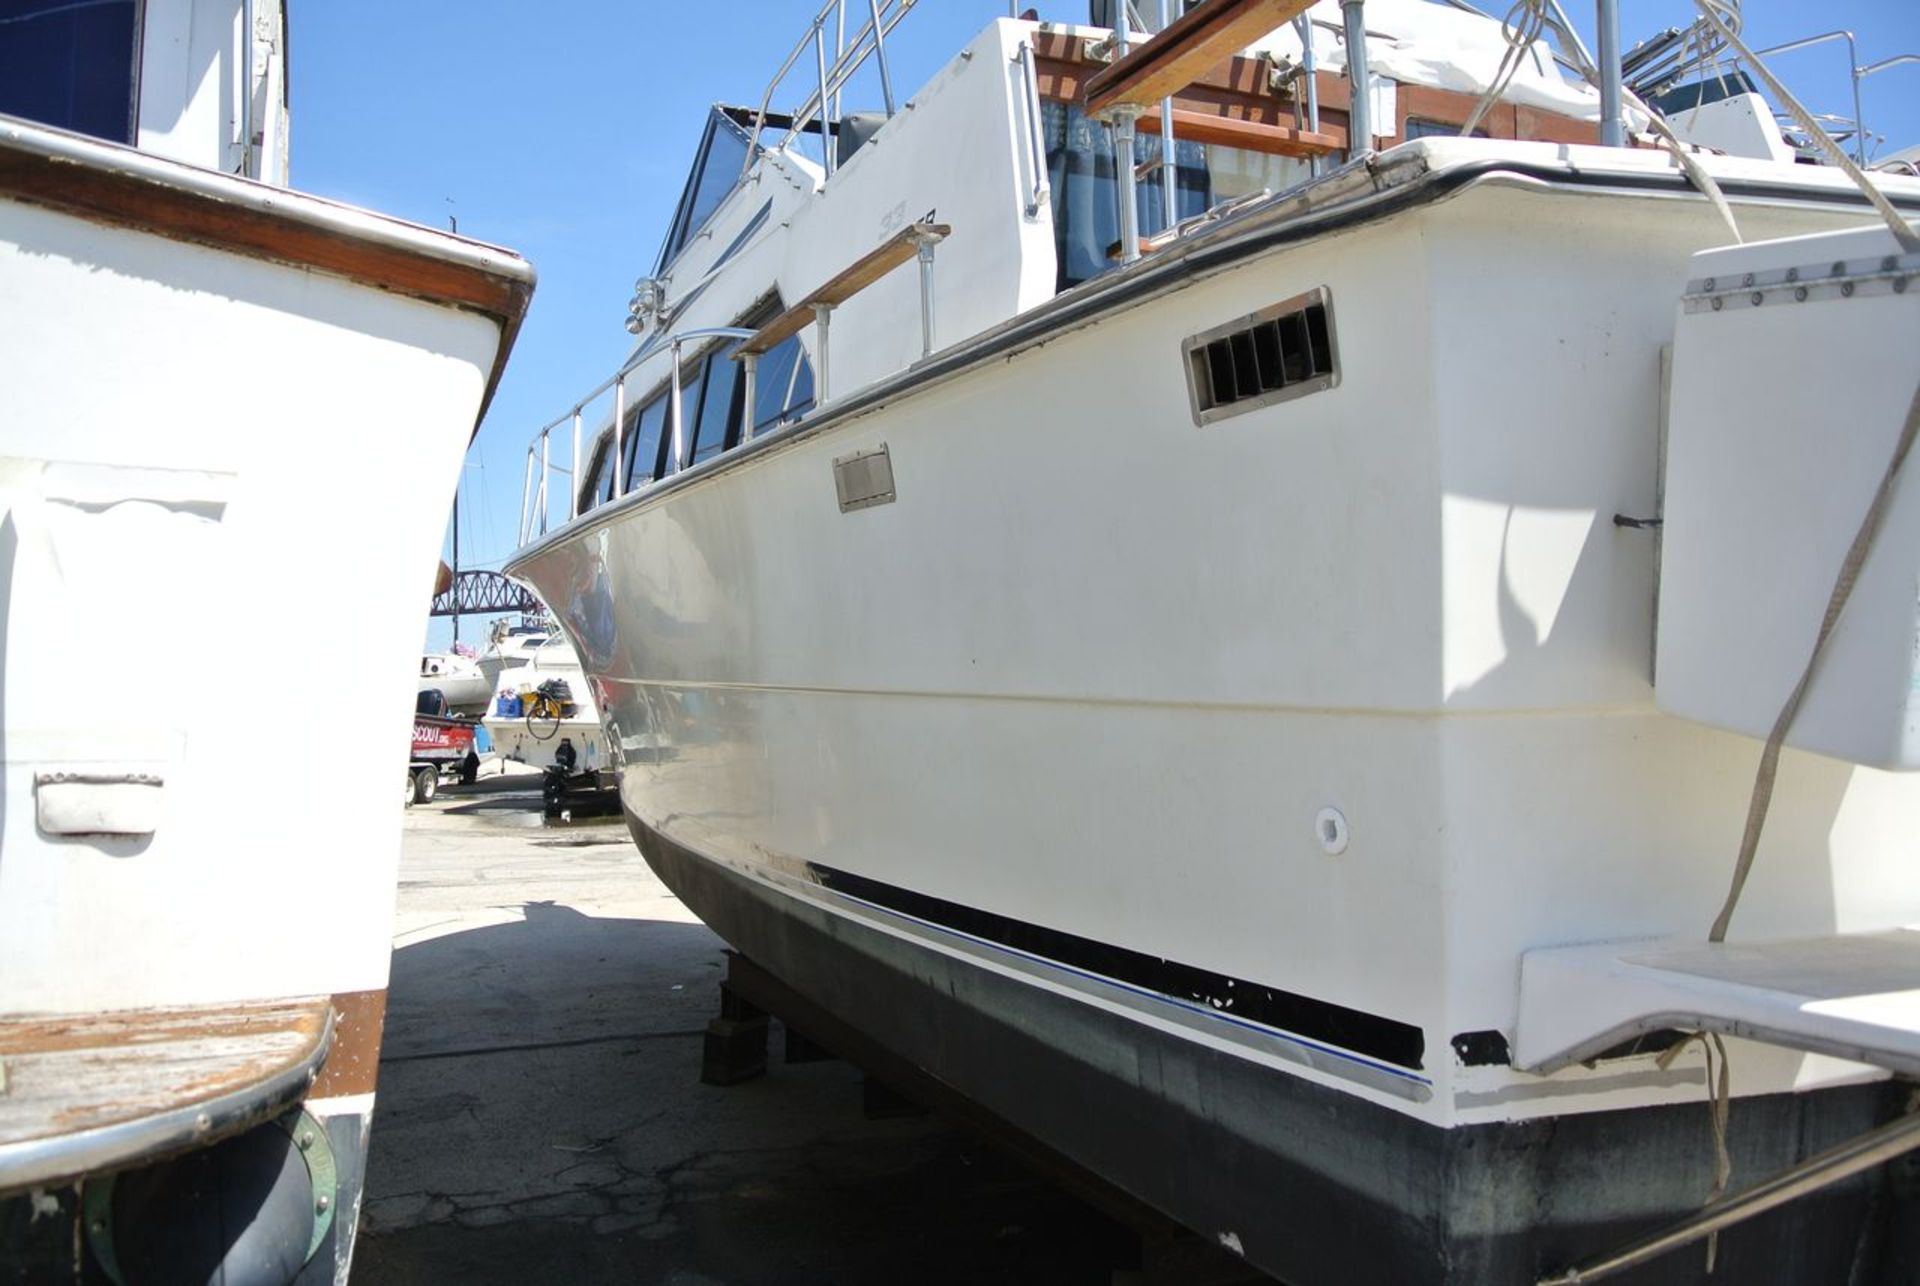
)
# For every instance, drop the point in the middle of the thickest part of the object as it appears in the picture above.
(1161, 641)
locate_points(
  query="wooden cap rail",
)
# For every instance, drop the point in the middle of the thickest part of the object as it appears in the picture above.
(91, 1092)
(844, 285)
(1250, 136)
(1190, 47)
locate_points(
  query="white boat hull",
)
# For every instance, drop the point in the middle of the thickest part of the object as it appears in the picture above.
(195, 419)
(1280, 739)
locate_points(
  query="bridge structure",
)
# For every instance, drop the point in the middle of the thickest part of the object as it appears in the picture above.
(481, 593)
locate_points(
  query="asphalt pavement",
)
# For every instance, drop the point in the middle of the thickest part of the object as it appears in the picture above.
(541, 1118)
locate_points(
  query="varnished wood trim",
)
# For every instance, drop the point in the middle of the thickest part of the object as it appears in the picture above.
(353, 1064)
(845, 284)
(1278, 140)
(1191, 46)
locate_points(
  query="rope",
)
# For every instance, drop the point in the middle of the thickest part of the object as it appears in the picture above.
(1903, 232)
(1696, 173)
(1836, 603)
(1719, 1104)
(1522, 27)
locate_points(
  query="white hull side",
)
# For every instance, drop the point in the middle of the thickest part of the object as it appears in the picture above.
(1098, 670)
(188, 434)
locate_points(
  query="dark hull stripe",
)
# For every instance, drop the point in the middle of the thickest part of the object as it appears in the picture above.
(1386, 1039)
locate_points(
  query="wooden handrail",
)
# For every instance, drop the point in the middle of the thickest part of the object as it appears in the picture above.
(1188, 49)
(844, 285)
(1250, 136)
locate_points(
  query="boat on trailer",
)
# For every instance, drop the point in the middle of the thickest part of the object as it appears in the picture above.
(1251, 666)
(199, 364)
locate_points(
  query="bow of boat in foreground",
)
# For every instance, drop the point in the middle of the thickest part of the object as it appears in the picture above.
(213, 384)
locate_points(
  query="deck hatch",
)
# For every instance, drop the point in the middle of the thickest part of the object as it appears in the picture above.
(1283, 351)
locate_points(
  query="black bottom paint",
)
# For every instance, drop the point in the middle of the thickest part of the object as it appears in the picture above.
(1319, 1187)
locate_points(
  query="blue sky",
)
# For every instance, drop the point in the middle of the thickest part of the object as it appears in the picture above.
(565, 131)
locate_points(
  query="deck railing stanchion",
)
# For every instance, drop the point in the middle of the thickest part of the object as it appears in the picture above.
(678, 440)
(1304, 25)
(619, 431)
(573, 491)
(839, 54)
(826, 122)
(1359, 81)
(1859, 115)
(880, 55)
(1607, 39)
(1169, 194)
(526, 498)
(544, 502)
(923, 246)
(1123, 117)
(822, 324)
(749, 379)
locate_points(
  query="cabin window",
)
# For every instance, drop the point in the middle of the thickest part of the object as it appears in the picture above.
(644, 433)
(1418, 127)
(716, 172)
(717, 423)
(1086, 197)
(587, 497)
(71, 65)
(782, 386)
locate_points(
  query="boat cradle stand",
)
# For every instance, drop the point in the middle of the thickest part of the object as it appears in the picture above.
(736, 1051)
(1853, 996)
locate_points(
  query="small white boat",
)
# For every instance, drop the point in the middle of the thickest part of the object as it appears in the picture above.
(199, 366)
(544, 715)
(510, 645)
(1175, 662)
(460, 679)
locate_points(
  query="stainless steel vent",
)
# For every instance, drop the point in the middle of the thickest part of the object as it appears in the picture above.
(1283, 351)
(864, 479)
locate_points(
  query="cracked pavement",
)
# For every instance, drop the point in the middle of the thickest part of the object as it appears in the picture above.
(541, 1119)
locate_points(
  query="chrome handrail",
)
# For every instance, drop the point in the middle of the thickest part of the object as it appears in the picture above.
(832, 78)
(536, 499)
(1853, 68)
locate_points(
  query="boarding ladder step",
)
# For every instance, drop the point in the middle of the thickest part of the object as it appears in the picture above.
(1850, 995)
(90, 1092)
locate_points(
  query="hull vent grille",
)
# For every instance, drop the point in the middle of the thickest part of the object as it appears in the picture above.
(1282, 352)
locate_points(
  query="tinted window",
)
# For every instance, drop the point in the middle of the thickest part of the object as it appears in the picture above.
(643, 442)
(1086, 206)
(800, 396)
(603, 472)
(717, 411)
(726, 154)
(690, 387)
(716, 171)
(70, 65)
(783, 386)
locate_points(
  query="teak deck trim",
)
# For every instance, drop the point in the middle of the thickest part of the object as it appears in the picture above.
(1191, 46)
(1250, 136)
(844, 285)
(93, 1092)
